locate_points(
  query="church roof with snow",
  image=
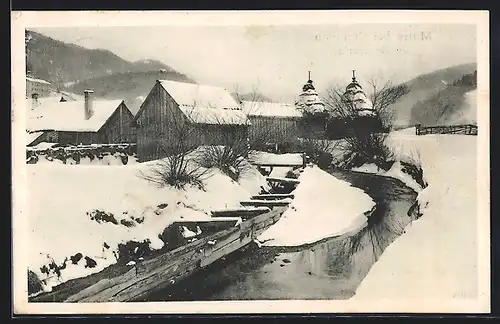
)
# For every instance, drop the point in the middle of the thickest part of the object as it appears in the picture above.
(354, 92)
(309, 99)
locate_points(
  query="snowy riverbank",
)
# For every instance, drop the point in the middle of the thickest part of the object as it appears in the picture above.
(437, 257)
(323, 207)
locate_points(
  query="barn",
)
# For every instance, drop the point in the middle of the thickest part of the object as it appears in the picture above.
(177, 116)
(80, 122)
(273, 123)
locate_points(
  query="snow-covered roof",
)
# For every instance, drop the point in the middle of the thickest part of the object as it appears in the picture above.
(205, 104)
(206, 96)
(69, 116)
(270, 109)
(37, 80)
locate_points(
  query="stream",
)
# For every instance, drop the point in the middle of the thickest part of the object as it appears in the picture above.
(330, 269)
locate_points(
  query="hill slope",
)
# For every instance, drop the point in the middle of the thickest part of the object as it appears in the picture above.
(454, 104)
(132, 87)
(60, 62)
(425, 87)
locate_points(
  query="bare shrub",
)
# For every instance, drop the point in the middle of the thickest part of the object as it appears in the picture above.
(367, 148)
(319, 151)
(412, 164)
(230, 159)
(175, 171)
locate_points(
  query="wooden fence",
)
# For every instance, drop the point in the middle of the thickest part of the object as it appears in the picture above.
(452, 129)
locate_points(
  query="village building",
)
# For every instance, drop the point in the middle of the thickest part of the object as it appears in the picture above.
(186, 114)
(80, 122)
(309, 101)
(37, 88)
(354, 93)
(272, 122)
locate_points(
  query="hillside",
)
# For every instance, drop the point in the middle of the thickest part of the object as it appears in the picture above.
(427, 86)
(62, 63)
(454, 104)
(129, 86)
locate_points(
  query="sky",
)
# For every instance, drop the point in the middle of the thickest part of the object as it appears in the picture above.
(275, 60)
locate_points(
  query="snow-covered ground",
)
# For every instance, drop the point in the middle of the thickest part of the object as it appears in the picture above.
(60, 197)
(264, 158)
(323, 206)
(437, 257)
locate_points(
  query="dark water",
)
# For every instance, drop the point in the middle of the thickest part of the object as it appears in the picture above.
(330, 269)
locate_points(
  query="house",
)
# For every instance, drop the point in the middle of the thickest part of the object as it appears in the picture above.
(80, 122)
(177, 115)
(37, 88)
(271, 122)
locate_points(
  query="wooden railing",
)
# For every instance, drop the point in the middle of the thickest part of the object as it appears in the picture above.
(468, 129)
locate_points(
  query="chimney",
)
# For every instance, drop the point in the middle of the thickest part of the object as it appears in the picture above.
(89, 103)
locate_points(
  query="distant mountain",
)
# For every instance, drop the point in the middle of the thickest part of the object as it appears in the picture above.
(425, 87)
(452, 105)
(64, 63)
(133, 87)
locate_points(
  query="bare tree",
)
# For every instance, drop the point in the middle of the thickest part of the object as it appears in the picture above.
(177, 145)
(338, 104)
(230, 148)
(383, 97)
(361, 144)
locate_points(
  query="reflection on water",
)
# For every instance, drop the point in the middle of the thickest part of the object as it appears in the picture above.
(331, 269)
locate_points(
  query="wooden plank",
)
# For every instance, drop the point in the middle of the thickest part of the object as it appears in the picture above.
(273, 196)
(266, 203)
(210, 255)
(244, 213)
(283, 180)
(279, 165)
(159, 271)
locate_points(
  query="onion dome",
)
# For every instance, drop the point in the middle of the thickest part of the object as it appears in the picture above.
(354, 93)
(309, 100)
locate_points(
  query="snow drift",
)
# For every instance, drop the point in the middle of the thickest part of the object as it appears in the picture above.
(437, 257)
(323, 207)
(88, 210)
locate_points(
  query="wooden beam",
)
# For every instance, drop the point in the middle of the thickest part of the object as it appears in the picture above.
(266, 203)
(283, 180)
(273, 196)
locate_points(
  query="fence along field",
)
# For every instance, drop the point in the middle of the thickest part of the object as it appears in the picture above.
(467, 129)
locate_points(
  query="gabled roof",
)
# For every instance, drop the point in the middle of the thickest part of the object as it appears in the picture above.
(198, 95)
(270, 109)
(69, 116)
(203, 104)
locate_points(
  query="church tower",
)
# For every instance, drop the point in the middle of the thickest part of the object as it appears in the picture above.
(355, 94)
(309, 100)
